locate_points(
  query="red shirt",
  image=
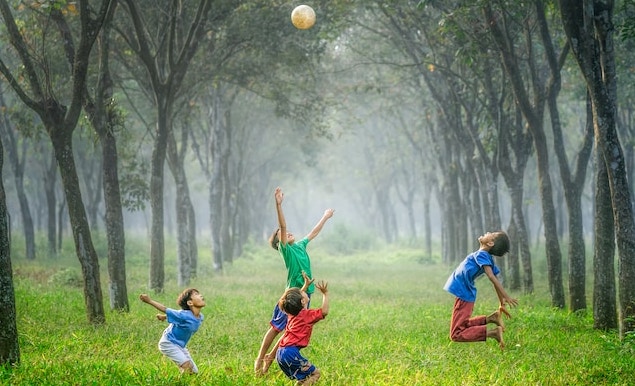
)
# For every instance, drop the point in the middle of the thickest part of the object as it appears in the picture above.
(299, 328)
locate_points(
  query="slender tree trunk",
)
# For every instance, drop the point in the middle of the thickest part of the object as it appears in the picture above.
(604, 289)
(8, 138)
(62, 144)
(157, 244)
(50, 178)
(9, 345)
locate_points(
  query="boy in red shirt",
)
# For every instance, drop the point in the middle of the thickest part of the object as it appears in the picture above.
(294, 302)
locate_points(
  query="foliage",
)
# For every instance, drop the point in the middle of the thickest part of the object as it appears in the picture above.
(67, 277)
(388, 325)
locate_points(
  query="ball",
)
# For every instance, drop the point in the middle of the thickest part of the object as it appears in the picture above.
(303, 17)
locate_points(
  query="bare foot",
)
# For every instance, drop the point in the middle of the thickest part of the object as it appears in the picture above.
(497, 334)
(496, 317)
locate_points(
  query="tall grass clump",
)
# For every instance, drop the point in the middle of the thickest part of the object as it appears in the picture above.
(388, 325)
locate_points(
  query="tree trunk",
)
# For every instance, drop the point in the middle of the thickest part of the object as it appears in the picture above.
(8, 138)
(62, 145)
(157, 243)
(589, 28)
(604, 291)
(50, 178)
(533, 115)
(9, 345)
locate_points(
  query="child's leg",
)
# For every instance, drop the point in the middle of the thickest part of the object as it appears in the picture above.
(267, 340)
(497, 333)
(311, 379)
(464, 328)
(496, 317)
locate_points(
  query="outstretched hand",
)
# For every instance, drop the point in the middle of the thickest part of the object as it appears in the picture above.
(504, 311)
(322, 286)
(307, 282)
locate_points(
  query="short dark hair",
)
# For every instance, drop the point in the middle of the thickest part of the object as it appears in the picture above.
(501, 244)
(185, 297)
(274, 240)
(291, 301)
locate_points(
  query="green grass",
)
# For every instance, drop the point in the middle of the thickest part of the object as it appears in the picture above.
(388, 325)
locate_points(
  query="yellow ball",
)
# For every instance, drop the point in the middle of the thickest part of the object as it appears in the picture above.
(303, 17)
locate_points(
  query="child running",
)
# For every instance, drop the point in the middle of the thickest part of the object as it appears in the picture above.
(464, 327)
(296, 260)
(183, 324)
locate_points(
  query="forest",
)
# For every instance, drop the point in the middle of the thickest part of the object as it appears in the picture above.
(424, 123)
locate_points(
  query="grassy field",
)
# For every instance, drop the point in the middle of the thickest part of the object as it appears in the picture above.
(388, 325)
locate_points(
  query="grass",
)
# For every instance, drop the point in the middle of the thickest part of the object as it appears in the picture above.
(388, 325)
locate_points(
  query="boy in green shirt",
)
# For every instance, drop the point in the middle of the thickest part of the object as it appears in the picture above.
(296, 260)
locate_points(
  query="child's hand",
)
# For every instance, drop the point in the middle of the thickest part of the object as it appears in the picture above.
(322, 286)
(279, 195)
(329, 213)
(504, 311)
(307, 279)
(162, 317)
(144, 298)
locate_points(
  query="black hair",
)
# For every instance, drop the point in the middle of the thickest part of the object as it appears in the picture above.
(274, 240)
(291, 301)
(185, 297)
(501, 244)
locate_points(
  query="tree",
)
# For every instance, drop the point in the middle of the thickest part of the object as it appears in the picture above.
(9, 346)
(589, 28)
(165, 46)
(530, 94)
(17, 160)
(60, 116)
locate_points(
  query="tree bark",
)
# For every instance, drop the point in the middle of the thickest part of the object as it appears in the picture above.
(589, 28)
(604, 290)
(9, 345)
(17, 165)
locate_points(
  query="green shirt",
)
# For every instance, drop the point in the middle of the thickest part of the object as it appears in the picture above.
(297, 260)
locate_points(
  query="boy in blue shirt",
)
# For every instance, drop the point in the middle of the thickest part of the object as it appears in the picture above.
(183, 324)
(464, 327)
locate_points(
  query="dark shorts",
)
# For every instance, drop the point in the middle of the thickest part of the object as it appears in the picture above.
(293, 364)
(279, 318)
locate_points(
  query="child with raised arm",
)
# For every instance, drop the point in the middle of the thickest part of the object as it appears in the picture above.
(464, 327)
(295, 303)
(296, 260)
(183, 324)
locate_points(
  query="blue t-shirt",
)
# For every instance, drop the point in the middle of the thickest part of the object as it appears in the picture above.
(183, 324)
(461, 281)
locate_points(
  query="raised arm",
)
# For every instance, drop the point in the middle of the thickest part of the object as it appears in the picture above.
(146, 299)
(323, 287)
(318, 227)
(282, 223)
(503, 297)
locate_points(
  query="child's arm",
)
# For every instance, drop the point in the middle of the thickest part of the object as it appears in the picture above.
(323, 287)
(282, 223)
(307, 282)
(318, 227)
(146, 299)
(503, 297)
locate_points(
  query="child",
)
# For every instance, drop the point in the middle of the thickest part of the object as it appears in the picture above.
(464, 327)
(183, 324)
(296, 261)
(295, 303)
